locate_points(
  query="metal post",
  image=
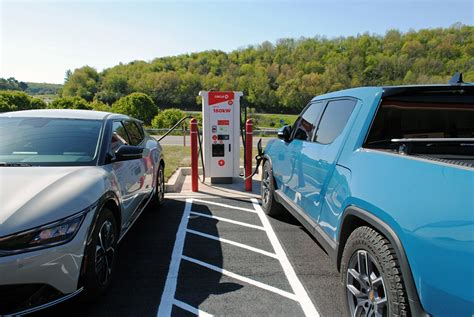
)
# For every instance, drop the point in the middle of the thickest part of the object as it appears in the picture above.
(184, 134)
(194, 154)
(248, 154)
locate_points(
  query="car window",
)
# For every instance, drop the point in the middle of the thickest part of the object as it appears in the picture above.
(134, 132)
(305, 125)
(334, 120)
(119, 135)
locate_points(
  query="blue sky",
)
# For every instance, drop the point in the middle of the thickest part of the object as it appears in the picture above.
(40, 40)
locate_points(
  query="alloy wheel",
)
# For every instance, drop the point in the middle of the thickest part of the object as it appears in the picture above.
(105, 252)
(365, 287)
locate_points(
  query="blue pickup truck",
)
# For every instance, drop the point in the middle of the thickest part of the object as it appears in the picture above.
(383, 177)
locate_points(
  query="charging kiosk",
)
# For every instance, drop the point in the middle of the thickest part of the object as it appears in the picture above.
(221, 132)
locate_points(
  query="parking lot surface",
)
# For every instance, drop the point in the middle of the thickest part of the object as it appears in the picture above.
(216, 256)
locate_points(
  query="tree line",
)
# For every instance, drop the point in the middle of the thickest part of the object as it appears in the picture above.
(284, 76)
(276, 77)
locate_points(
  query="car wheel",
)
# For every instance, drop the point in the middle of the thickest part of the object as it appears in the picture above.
(160, 186)
(101, 255)
(269, 205)
(372, 283)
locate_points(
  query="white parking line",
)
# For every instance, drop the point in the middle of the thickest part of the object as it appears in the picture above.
(243, 278)
(191, 309)
(166, 304)
(225, 205)
(241, 245)
(228, 220)
(167, 299)
(305, 302)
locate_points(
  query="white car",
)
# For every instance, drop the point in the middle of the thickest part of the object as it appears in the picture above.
(72, 183)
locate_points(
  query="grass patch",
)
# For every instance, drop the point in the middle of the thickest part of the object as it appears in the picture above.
(175, 156)
(272, 120)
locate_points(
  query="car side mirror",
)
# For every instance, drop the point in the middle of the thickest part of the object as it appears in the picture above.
(284, 133)
(128, 152)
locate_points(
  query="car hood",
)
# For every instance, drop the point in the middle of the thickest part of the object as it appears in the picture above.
(34, 196)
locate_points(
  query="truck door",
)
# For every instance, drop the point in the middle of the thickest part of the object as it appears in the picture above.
(288, 163)
(318, 158)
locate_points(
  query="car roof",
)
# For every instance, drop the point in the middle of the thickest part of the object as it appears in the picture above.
(65, 114)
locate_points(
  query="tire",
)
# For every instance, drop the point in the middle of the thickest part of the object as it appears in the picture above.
(101, 255)
(378, 282)
(160, 187)
(269, 205)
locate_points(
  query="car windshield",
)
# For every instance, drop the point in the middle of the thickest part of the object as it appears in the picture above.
(48, 141)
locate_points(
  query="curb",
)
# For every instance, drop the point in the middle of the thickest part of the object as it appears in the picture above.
(176, 181)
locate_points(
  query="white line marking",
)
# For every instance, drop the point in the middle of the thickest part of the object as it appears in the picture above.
(227, 220)
(166, 304)
(224, 205)
(191, 309)
(243, 278)
(303, 298)
(241, 245)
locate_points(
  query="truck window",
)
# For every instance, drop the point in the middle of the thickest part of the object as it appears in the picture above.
(334, 120)
(439, 124)
(305, 124)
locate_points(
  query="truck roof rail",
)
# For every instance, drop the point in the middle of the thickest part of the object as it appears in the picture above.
(456, 79)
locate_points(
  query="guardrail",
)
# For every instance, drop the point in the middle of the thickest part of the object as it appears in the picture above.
(256, 132)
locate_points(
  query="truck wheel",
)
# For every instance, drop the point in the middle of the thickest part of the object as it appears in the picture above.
(269, 205)
(101, 255)
(372, 283)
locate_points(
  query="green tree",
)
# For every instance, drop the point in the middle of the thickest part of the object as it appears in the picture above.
(83, 82)
(70, 103)
(18, 100)
(137, 105)
(167, 118)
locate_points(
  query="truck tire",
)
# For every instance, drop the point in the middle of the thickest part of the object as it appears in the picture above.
(372, 283)
(269, 205)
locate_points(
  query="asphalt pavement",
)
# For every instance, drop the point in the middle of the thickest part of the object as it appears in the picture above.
(216, 256)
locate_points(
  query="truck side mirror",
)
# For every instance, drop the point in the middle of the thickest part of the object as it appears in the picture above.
(284, 133)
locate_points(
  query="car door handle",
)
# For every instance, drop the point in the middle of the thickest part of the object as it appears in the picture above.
(229, 147)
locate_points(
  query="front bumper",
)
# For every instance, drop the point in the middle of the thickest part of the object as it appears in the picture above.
(56, 269)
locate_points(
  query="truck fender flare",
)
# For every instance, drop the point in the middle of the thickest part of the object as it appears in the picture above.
(382, 227)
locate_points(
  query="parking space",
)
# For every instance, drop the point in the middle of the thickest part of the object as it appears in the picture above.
(216, 256)
(204, 247)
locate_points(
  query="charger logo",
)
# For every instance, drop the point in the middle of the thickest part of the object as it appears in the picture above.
(221, 110)
(216, 97)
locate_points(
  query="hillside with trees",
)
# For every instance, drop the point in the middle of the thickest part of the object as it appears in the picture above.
(276, 77)
(282, 77)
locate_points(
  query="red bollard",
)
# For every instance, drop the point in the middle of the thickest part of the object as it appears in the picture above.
(248, 154)
(194, 155)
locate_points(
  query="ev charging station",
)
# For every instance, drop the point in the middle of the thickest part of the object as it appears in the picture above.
(221, 132)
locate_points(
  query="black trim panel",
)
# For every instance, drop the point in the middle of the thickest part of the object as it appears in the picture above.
(329, 245)
(413, 299)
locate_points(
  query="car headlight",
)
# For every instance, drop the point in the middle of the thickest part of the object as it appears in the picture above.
(56, 233)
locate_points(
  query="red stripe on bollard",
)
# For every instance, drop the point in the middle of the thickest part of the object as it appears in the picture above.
(194, 155)
(248, 154)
